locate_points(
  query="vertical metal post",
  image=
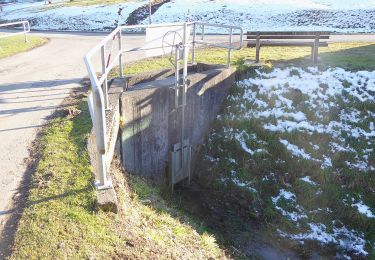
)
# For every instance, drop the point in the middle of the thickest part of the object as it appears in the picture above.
(105, 82)
(100, 132)
(202, 36)
(177, 77)
(193, 51)
(184, 92)
(24, 31)
(229, 46)
(149, 11)
(120, 57)
(185, 62)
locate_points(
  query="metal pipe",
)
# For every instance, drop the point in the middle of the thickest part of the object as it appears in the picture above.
(100, 136)
(149, 11)
(105, 82)
(229, 47)
(25, 26)
(24, 31)
(177, 76)
(120, 57)
(184, 92)
(193, 51)
(202, 36)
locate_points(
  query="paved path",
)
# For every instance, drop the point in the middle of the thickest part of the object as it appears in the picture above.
(32, 86)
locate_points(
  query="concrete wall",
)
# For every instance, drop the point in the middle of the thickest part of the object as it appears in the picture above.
(151, 124)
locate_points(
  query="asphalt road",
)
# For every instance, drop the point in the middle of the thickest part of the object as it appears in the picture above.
(33, 84)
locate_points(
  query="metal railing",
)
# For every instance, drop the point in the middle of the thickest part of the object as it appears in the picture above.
(99, 99)
(25, 27)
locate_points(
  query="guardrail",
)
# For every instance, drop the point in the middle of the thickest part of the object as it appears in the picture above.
(25, 25)
(99, 98)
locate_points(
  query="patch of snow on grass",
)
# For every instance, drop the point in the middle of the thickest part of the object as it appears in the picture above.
(295, 150)
(301, 100)
(364, 209)
(241, 184)
(291, 199)
(349, 240)
(308, 180)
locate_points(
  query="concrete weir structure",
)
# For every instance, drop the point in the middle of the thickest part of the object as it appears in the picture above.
(151, 123)
(144, 120)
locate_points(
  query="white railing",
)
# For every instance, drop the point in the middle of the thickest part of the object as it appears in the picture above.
(98, 101)
(25, 27)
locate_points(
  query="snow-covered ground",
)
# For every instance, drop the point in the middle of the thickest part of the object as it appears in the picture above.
(72, 18)
(283, 130)
(271, 15)
(331, 15)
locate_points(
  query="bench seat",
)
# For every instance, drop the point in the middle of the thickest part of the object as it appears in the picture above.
(285, 43)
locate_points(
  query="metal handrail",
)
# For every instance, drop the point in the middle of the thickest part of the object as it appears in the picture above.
(99, 84)
(25, 25)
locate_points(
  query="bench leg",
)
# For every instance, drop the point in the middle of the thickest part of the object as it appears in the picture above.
(257, 47)
(257, 54)
(315, 49)
(316, 56)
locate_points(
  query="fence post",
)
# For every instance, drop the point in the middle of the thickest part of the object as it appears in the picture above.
(202, 36)
(229, 47)
(120, 57)
(105, 82)
(193, 52)
(24, 31)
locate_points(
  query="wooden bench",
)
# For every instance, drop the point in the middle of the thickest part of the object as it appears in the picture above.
(309, 39)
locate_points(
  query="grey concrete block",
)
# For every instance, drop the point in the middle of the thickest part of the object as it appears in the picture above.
(107, 200)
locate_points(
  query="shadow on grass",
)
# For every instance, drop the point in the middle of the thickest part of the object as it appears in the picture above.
(81, 127)
(354, 59)
(357, 58)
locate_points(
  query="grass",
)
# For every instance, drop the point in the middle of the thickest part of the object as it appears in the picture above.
(338, 185)
(16, 44)
(60, 220)
(353, 56)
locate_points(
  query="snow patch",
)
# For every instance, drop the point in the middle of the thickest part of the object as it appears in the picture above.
(364, 209)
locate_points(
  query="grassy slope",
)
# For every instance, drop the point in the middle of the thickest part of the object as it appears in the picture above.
(16, 44)
(60, 220)
(337, 183)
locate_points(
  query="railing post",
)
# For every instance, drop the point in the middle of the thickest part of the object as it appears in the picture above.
(105, 82)
(177, 76)
(120, 57)
(202, 36)
(230, 46)
(24, 31)
(193, 52)
(100, 136)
